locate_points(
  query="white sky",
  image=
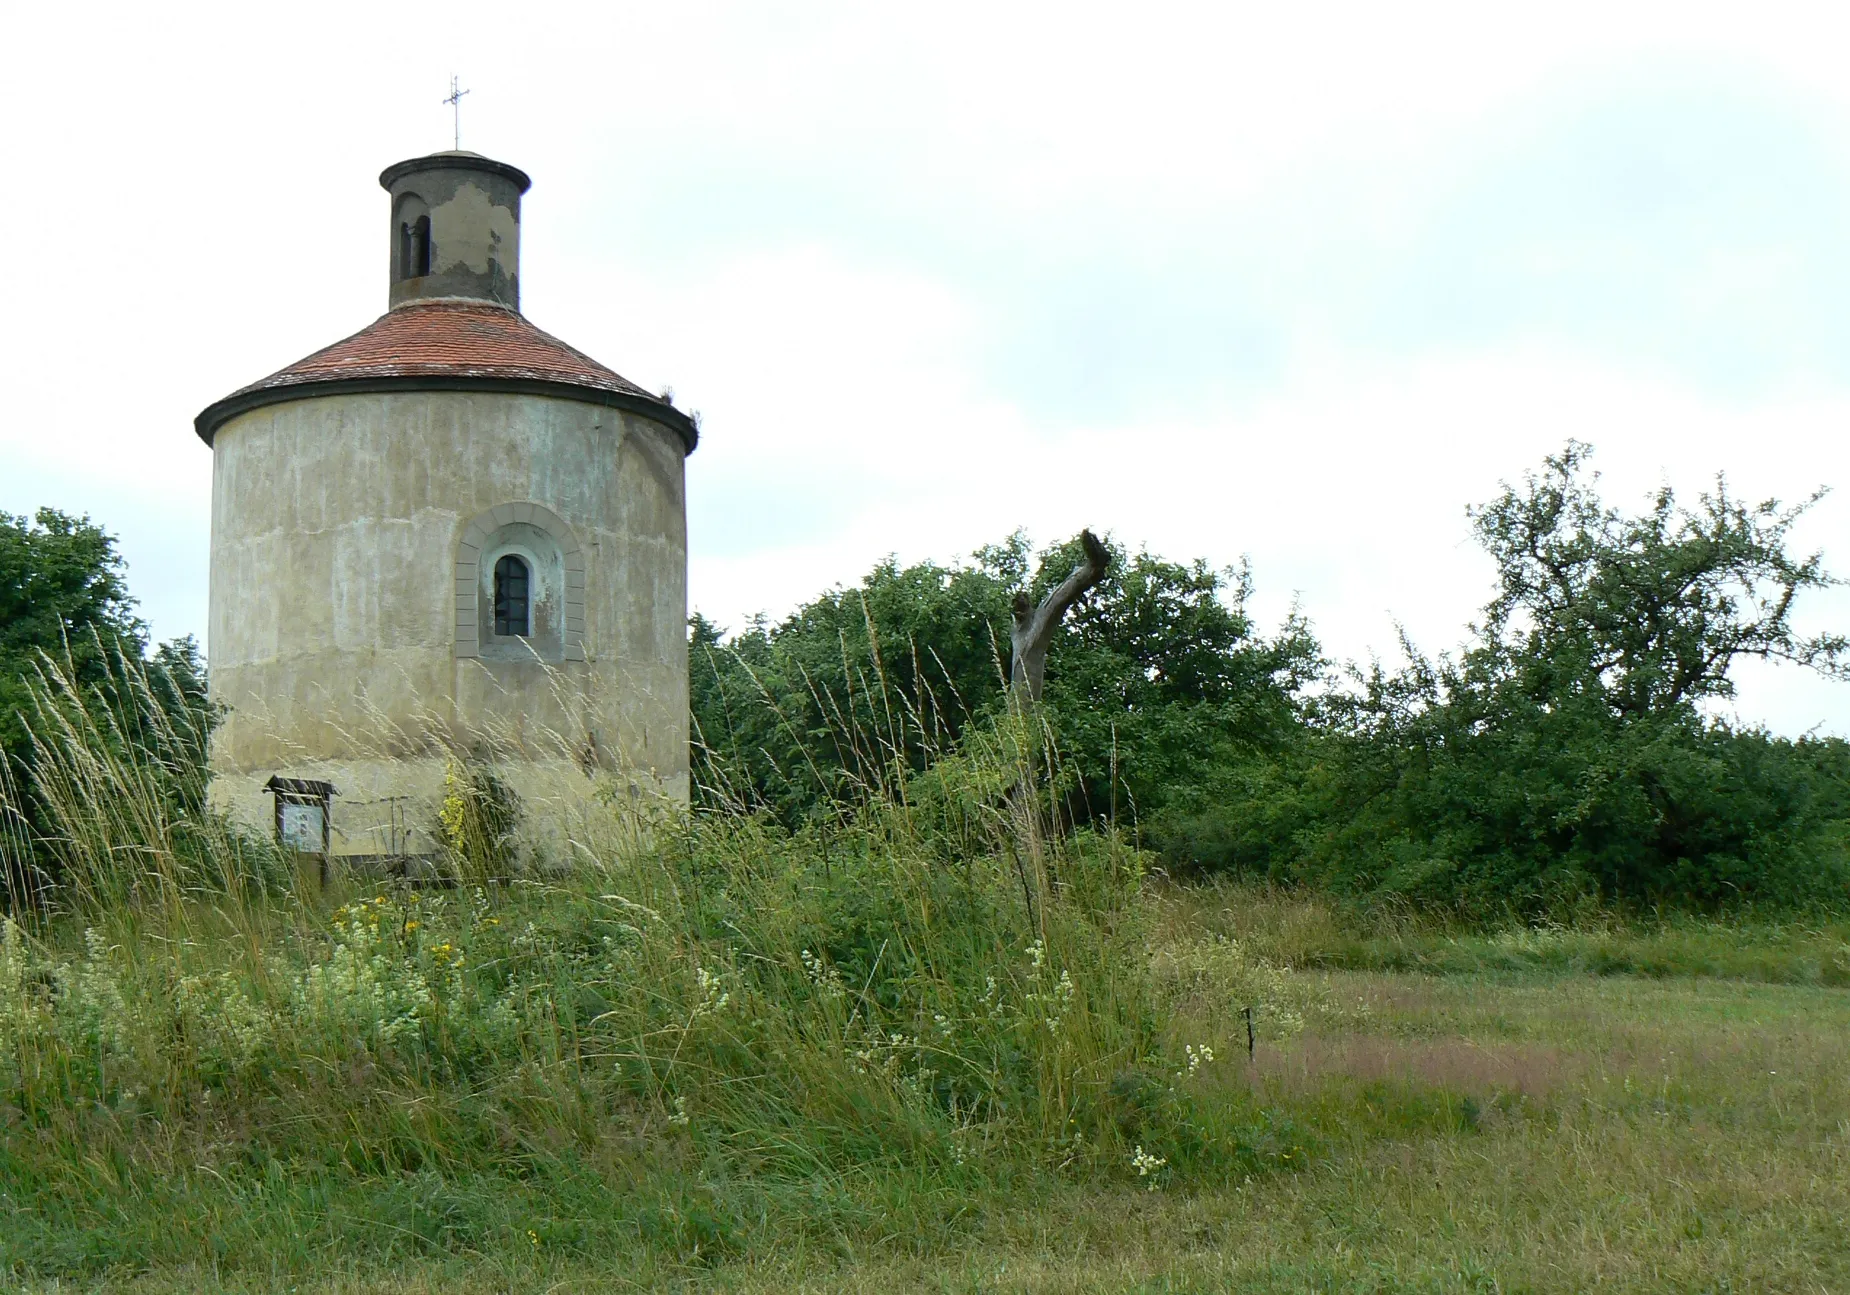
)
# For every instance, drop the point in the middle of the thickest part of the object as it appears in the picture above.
(1292, 281)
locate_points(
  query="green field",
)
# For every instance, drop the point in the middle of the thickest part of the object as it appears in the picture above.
(1625, 1106)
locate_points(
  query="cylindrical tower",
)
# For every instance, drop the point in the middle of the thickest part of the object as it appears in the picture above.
(449, 536)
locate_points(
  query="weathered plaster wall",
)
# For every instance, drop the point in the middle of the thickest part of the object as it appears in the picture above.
(474, 230)
(333, 637)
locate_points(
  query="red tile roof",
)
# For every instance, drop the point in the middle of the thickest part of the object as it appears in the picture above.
(460, 342)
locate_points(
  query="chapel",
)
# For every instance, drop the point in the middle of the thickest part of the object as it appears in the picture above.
(448, 539)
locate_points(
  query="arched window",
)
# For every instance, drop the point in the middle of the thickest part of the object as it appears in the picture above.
(554, 566)
(511, 580)
(414, 248)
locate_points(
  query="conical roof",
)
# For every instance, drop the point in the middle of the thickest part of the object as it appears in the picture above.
(447, 344)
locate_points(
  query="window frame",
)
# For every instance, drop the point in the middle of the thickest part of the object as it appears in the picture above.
(477, 545)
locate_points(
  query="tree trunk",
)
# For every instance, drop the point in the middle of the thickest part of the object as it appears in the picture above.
(1034, 626)
(1033, 631)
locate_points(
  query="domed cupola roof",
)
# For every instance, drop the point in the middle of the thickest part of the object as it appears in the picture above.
(454, 324)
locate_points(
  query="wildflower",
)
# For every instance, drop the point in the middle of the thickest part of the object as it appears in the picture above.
(355, 991)
(680, 1117)
(534, 1237)
(1146, 1164)
(1198, 1057)
(1055, 1003)
(822, 975)
(412, 925)
(713, 995)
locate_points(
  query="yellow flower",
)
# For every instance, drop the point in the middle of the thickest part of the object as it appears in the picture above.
(411, 925)
(380, 900)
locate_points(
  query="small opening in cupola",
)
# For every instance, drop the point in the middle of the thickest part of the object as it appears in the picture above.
(414, 248)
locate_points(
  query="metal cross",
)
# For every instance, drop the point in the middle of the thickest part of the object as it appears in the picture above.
(455, 102)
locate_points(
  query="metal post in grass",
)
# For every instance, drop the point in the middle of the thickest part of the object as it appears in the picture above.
(1252, 1042)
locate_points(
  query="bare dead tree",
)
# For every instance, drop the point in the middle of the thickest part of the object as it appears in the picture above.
(1029, 639)
(1035, 626)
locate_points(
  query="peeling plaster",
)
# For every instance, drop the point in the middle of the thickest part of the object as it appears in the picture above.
(475, 233)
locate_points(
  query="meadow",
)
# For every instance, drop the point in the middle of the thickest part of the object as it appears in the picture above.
(919, 1041)
(917, 1052)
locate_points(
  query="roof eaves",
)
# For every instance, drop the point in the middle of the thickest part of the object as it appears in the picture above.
(220, 412)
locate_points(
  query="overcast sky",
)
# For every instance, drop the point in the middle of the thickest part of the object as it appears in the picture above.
(1297, 282)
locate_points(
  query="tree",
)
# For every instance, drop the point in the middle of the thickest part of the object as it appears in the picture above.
(1158, 680)
(71, 644)
(1034, 624)
(1565, 753)
(1649, 611)
(61, 592)
(850, 688)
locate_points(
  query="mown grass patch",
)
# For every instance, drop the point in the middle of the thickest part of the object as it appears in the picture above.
(1304, 928)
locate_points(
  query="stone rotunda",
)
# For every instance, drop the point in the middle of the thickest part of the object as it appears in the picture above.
(448, 539)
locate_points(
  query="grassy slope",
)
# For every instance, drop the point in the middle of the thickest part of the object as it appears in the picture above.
(1514, 1123)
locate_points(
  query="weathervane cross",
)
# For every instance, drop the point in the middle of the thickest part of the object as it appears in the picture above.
(455, 102)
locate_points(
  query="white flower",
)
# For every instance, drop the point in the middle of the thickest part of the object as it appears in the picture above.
(358, 991)
(713, 993)
(1146, 1164)
(822, 975)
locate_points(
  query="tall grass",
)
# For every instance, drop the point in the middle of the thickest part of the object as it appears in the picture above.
(118, 780)
(695, 1028)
